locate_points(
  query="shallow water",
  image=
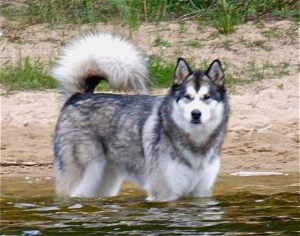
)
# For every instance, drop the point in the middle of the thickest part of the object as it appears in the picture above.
(265, 205)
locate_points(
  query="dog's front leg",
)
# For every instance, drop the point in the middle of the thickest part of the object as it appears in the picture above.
(162, 196)
(207, 178)
(158, 189)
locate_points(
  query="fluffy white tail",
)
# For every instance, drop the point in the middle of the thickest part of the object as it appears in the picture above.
(103, 56)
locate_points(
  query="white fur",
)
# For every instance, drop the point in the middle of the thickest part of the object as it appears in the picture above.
(105, 55)
(99, 180)
(205, 171)
(190, 182)
(195, 182)
(212, 115)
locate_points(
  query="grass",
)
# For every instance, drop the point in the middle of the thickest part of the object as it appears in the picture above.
(260, 44)
(161, 72)
(27, 74)
(292, 31)
(30, 74)
(222, 14)
(227, 43)
(271, 33)
(257, 72)
(194, 43)
(159, 42)
(256, 44)
(227, 17)
(280, 86)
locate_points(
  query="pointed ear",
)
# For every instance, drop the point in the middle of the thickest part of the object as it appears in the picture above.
(182, 71)
(216, 73)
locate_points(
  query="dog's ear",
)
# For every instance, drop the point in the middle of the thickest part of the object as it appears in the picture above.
(182, 71)
(216, 73)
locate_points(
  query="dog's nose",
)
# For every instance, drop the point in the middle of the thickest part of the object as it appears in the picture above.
(196, 114)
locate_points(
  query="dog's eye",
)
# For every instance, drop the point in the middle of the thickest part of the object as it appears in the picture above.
(188, 96)
(206, 97)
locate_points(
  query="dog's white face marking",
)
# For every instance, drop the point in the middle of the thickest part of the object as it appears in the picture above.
(210, 112)
(194, 101)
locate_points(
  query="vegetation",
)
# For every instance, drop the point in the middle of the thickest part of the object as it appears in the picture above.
(266, 70)
(159, 42)
(222, 14)
(26, 74)
(161, 72)
(195, 43)
(29, 73)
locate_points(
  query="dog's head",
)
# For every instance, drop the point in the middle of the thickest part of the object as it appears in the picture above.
(199, 96)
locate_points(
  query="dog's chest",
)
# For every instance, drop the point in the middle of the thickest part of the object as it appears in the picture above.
(199, 173)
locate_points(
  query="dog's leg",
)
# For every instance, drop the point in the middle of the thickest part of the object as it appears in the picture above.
(159, 190)
(78, 166)
(164, 194)
(89, 184)
(110, 183)
(99, 180)
(82, 171)
(207, 179)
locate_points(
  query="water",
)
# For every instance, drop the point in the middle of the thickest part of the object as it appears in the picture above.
(266, 205)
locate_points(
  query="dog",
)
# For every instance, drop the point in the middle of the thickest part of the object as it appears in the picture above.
(168, 145)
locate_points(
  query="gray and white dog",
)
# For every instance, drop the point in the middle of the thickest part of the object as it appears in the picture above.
(169, 145)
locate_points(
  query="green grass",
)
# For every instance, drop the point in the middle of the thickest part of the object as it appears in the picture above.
(227, 17)
(256, 44)
(159, 42)
(260, 44)
(227, 43)
(161, 72)
(27, 74)
(30, 74)
(194, 43)
(271, 33)
(222, 14)
(257, 72)
(292, 31)
(280, 86)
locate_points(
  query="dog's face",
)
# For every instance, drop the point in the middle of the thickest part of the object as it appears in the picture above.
(199, 96)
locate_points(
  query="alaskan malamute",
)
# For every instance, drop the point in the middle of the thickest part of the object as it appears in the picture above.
(169, 145)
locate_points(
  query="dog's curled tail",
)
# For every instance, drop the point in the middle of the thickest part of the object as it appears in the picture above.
(102, 56)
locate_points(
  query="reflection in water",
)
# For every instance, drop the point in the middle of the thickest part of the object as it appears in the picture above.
(240, 206)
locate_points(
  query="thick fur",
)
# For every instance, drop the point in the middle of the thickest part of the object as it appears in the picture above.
(169, 145)
(100, 56)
